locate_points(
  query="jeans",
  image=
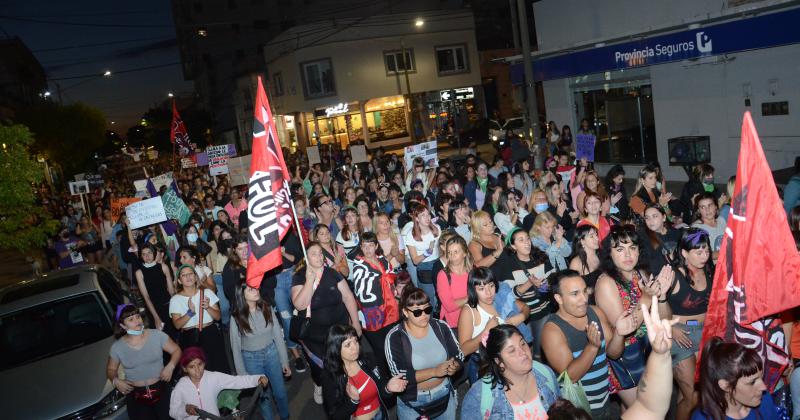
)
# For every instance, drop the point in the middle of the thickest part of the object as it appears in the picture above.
(283, 302)
(266, 362)
(794, 387)
(406, 412)
(424, 271)
(224, 305)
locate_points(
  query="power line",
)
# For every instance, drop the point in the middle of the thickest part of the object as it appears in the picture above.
(61, 22)
(157, 66)
(99, 44)
(139, 12)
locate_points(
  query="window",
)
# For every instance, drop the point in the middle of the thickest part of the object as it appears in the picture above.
(277, 84)
(318, 78)
(396, 64)
(451, 59)
(110, 288)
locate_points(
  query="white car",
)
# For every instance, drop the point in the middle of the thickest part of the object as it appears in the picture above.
(497, 133)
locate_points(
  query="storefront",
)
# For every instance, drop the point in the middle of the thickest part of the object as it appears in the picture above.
(457, 108)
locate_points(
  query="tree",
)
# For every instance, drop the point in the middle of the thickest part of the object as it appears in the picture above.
(24, 224)
(154, 130)
(67, 134)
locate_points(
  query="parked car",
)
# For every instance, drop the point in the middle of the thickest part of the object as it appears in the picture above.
(55, 334)
(497, 132)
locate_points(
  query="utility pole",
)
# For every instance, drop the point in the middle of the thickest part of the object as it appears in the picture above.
(532, 121)
(411, 130)
(512, 5)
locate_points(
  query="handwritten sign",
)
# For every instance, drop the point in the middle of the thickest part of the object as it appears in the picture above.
(313, 155)
(428, 151)
(145, 213)
(79, 187)
(584, 146)
(239, 170)
(118, 205)
(359, 154)
(188, 162)
(217, 159)
(174, 207)
(160, 181)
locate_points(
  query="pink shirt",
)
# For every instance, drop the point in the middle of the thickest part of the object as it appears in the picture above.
(233, 212)
(205, 395)
(448, 294)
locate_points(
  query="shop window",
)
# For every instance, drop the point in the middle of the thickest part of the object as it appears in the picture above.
(452, 59)
(621, 116)
(395, 63)
(318, 78)
(277, 84)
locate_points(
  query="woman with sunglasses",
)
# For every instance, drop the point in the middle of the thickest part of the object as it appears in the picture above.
(487, 307)
(434, 357)
(620, 289)
(335, 255)
(373, 286)
(140, 353)
(688, 299)
(194, 310)
(353, 385)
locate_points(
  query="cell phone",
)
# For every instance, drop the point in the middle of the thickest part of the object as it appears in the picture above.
(692, 323)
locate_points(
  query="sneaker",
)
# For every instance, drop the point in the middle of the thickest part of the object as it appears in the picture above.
(300, 365)
(318, 394)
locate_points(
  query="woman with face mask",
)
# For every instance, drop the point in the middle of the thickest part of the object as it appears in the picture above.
(155, 284)
(140, 352)
(702, 180)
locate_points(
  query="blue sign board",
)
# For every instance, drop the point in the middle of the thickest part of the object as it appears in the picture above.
(762, 31)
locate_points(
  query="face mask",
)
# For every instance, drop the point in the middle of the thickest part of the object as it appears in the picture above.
(541, 207)
(135, 332)
(149, 265)
(708, 181)
(197, 226)
(191, 237)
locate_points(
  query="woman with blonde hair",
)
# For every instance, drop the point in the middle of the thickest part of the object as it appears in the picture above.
(548, 236)
(486, 246)
(388, 239)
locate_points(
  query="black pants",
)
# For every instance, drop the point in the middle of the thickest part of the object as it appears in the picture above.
(212, 343)
(159, 410)
(377, 340)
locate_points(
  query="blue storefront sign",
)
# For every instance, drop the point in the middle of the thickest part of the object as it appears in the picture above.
(745, 34)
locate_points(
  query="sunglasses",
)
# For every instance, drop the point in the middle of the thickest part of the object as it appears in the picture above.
(418, 312)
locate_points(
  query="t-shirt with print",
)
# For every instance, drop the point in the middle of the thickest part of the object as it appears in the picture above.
(374, 293)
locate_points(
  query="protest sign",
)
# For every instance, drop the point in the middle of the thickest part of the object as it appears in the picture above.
(239, 170)
(95, 180)
(427, 151)
(79, 187)
(359, 154)
(188, 162)
(313, 155)
(201, 159)
(164, 179)
(145, 213)
(584, 146)
(174, 207)
(217, 159)
(118, 206)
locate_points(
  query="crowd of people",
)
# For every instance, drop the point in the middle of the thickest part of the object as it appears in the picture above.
(545, 293)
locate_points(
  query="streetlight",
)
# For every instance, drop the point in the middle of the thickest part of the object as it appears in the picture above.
(46, 94)
(107, 73)
(171, 95)
(419, 22)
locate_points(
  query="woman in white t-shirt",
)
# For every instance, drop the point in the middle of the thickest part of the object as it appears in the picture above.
(193, 310)
(421, 244)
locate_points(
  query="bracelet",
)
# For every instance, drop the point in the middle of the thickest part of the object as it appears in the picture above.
(189, 313)
(355, 401)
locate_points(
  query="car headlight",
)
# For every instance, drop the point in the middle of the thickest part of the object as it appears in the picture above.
(494, 138)
(111, 403)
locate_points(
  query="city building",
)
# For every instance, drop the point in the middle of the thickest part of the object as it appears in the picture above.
(644, 72)
(22, 78)
(383, 80)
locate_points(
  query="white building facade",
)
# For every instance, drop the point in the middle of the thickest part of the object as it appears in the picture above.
(350, 83)
(645, 71)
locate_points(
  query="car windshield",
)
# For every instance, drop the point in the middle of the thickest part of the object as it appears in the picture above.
(51, 328)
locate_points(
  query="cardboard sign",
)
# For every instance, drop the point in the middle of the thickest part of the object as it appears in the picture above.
(164, 179)
(217, 159)
(79, 187)
(145, 213)
(359, 154)
(118, 206)
(313, 155)
(428, 151)
(584, 146)
(239, 170)
(201, 159)
(188, 163)
(174, 207)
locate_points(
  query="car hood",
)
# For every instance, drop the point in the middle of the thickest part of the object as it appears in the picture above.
(58, 385)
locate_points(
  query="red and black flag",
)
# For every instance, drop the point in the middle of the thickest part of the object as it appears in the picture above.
(178, 134)
(269, 200)
(756, 277)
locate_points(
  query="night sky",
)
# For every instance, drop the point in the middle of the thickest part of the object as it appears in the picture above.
(63, 36)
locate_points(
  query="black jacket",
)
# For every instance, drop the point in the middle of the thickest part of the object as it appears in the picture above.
(338, 405)
(398, 353)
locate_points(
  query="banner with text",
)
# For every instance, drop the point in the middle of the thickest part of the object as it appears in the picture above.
(145, 213)
(217, 159)
(428, 151)
(584, 146)
(160, 181)
(239, 170)
(118, 206)
(174, 207)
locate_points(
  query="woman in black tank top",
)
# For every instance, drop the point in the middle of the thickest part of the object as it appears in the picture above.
(584, 258)
(688, 298)
(155, 284)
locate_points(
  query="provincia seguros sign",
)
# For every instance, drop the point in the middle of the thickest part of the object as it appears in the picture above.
(750, 33)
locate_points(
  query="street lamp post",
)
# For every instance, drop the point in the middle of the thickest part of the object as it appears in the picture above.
(527, 64)
(411, 133)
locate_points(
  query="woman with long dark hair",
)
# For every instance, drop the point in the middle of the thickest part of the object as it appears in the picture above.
(647, 192)
(459, 218)
(615, 185)
(364, 213)
(509, 214)
(659, 238)
(731, 384)
(155, 284)
(353, 385)
(434, 358)
(348, 237)
(688, 298)
(620, 289)
(258, 347)
(140, 353)
(520, 387)
(585, 259)
(706, 213)
(334, 252)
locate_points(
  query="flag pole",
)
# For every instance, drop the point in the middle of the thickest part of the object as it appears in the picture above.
(296, 221)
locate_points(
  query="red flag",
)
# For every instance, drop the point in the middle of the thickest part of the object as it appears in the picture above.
(178, 134)
(269, 201)
(757, 271)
